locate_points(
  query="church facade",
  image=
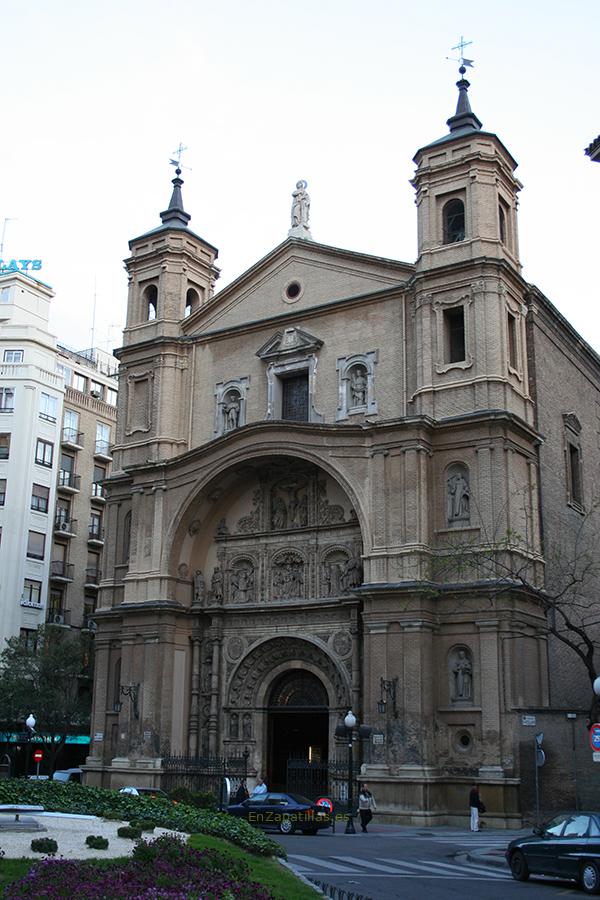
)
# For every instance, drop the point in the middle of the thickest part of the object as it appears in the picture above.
(301, 460)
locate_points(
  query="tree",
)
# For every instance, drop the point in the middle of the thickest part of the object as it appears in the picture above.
(565, 585)
(50, 678)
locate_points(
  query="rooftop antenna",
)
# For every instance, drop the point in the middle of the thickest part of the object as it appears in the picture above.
(462, 60)
(6, 221)
(177, 161)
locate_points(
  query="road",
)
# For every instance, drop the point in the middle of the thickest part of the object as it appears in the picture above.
(392, 862)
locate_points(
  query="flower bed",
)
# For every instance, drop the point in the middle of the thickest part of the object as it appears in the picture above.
(69, 797)
(164, 869)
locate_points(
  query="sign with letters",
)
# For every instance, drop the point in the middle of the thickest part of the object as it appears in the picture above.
(19, 265)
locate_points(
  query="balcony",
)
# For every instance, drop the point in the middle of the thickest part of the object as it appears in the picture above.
(95, 534)
(98, 492)
(58, 616)
(102, 450)
(7, 409)
(61, 571)
(92, 577)
(72, 439)
(65, 527)
(68, 482)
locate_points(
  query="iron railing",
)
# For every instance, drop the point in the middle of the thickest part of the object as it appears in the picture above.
(203, 774)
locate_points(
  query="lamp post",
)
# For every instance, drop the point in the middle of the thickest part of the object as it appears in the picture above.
(350, 723)
(30, 725)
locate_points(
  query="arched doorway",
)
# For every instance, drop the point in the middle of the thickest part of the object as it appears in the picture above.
(298, 725)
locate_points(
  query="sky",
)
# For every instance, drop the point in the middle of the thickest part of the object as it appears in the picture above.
(97, 95)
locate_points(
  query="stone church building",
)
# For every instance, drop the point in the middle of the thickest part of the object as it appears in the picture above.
(301, 460)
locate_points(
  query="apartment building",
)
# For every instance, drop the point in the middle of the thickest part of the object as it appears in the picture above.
(57, 416)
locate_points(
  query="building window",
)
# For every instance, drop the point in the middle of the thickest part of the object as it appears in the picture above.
(573, 460)
(40, 496)
(192, 302)
(29, 637)
(5, 295)
(56, 603)
(2, 491)
(7, 399)
(111, 396)
(151, 302)
(32, 591)
(96, 527)
(36, 543)
(79, 382)
(70, 426)
(48, 407)
(96, 389)
(502, 223)
(454, 221)
(4, 446)
(13, 356)
(454, 334)
(102, 438)
(294, 397)
(44, 453)
(512, 341)
(66, 372)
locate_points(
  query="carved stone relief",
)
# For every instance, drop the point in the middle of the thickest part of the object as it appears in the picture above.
(241, 582)
(460, 666)
(235, 648)
(458, 495)
(342, 643)
(288, 576)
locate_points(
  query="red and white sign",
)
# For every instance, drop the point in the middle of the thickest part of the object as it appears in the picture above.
(595, 736)
(38, 755)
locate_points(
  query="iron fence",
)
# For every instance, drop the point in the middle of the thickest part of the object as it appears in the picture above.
(204, 774)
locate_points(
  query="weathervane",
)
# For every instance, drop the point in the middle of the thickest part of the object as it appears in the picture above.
(177, 161)
(462, 59)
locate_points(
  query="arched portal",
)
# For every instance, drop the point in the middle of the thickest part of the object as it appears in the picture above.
(298, 725)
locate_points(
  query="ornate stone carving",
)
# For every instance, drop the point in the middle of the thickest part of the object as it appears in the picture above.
(461, 670)
(194, 527)
(342, 643)
(247, 726)
(183, 570)
(254, 669)
(199, 588)
(251, 522)
(571, 421)
(458, 498)
(231, 410)
(358, 386)
(216, 585)
(234, 726)
(288, 576)
(241, 582)
(327, 513)
(235, 648)
(222, 529)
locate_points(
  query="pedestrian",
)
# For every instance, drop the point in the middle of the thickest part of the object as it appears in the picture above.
(260, 788)
(475, 806)
(366, 805)
(242, 792)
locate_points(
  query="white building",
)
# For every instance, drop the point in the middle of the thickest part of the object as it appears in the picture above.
(57, 416)
(31, 406)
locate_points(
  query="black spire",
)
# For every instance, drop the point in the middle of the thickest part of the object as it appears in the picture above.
(464, 119)
(175, 216)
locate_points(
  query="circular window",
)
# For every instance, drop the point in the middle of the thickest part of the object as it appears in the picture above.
(464, 741)
(292, 291)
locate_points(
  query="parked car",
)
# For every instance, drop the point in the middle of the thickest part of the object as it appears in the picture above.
(566, 847)
(151, 792)
(285, 812)
(68, 775)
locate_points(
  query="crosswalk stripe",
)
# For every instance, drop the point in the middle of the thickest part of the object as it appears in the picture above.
(366, 865)
(314, 860)
(430, 865)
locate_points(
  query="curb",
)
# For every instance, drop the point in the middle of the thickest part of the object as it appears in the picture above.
(488, 859)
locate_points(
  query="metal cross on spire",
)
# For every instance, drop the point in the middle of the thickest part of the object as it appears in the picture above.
(177, 161)
(462, 60)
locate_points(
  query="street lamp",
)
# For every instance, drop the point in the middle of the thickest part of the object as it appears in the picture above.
(132, 691)
(30, 723)
(388, 690)
(350, 723)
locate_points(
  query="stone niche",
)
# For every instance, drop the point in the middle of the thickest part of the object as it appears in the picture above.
(283, 532)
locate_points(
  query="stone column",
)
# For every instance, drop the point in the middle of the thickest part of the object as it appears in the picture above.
(491, 703)
(213, 720)
(194, 727)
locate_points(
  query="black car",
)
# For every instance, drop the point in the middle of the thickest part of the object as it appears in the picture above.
(285, 812)
(567, 847)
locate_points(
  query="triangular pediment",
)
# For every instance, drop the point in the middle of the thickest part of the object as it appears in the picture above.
(289, 341)
(320, 275)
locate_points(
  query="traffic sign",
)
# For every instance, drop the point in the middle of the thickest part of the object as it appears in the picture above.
(325, 802)
(595, 736)
(38, 755)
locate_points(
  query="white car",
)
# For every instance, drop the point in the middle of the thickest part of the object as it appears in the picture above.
(152, 793)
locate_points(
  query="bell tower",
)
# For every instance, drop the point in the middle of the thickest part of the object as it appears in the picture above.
(171, 273)
(469, 311)
(466, 194)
